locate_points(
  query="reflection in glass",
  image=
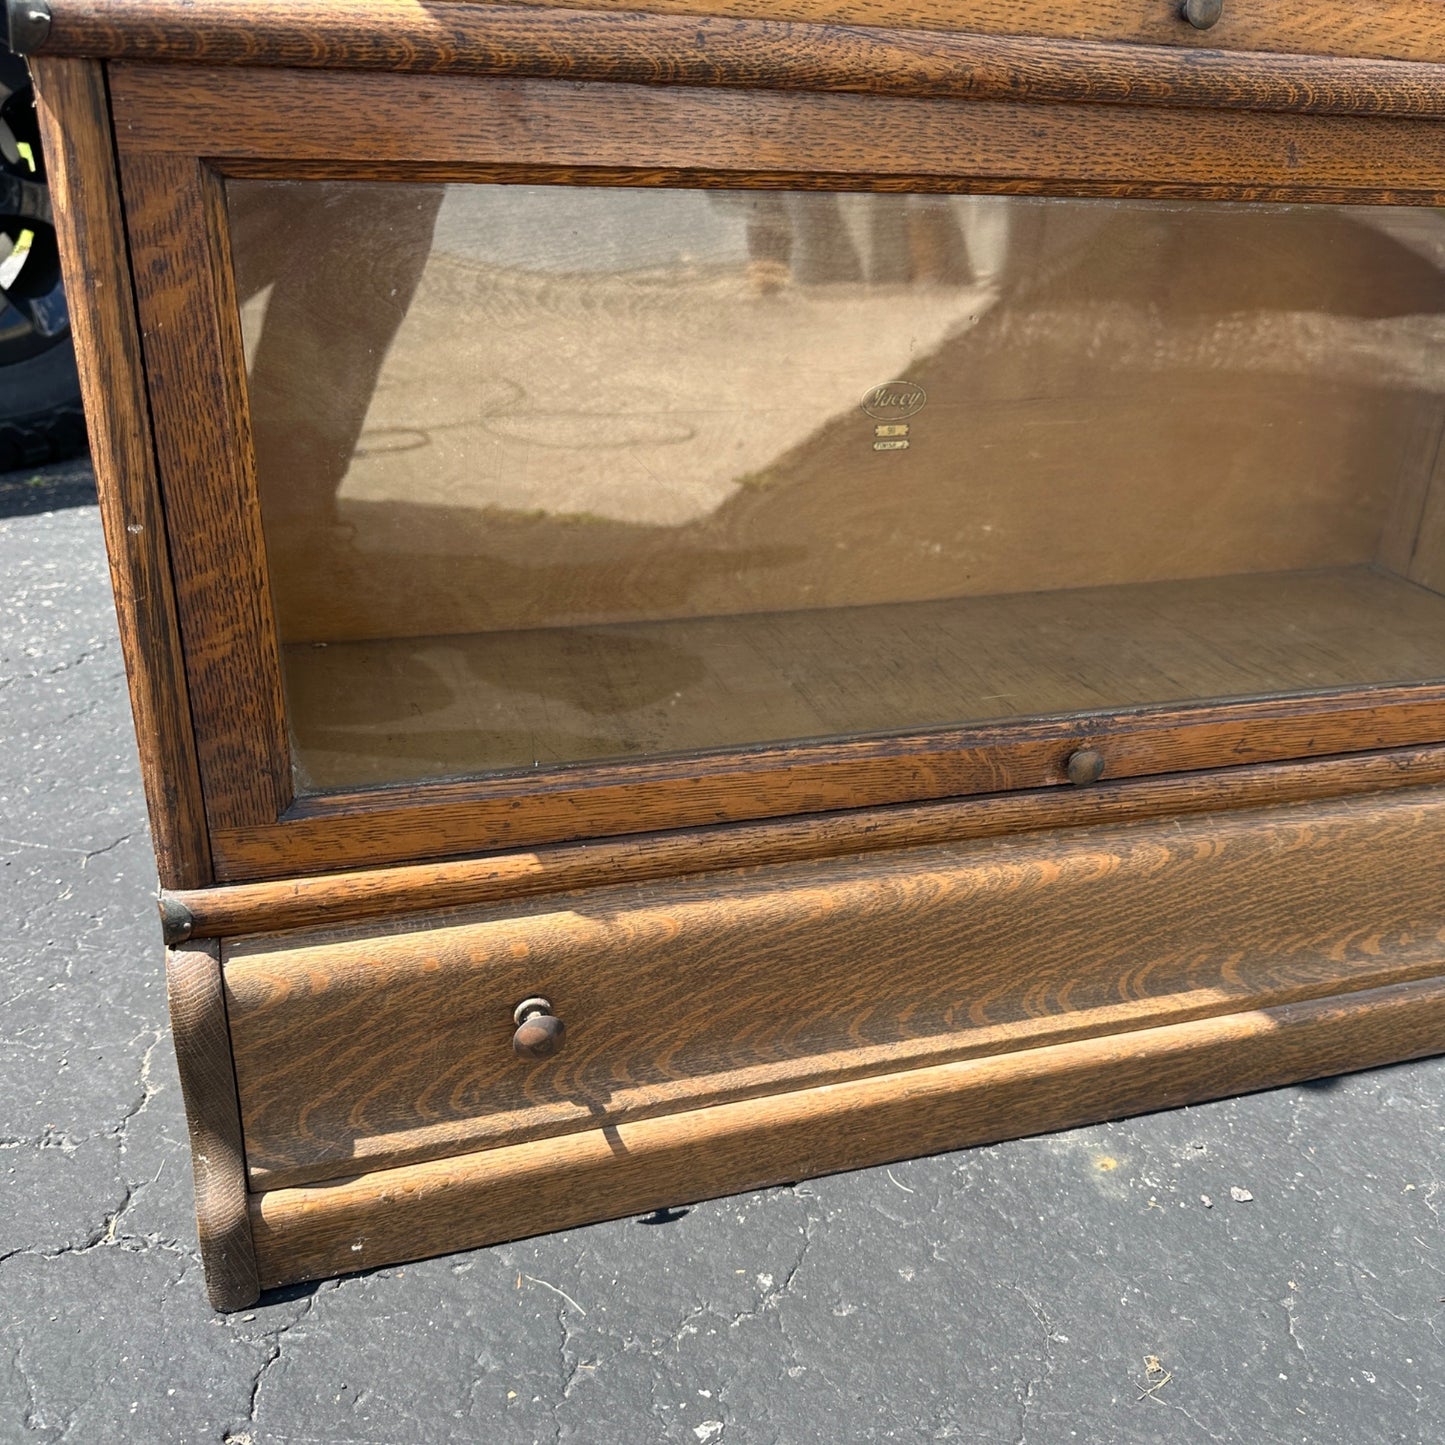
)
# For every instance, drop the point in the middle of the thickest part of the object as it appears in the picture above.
(552, 474)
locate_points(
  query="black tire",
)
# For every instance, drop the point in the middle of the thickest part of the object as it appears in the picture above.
(41, 419)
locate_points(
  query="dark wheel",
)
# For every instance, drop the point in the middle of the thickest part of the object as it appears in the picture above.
(40, 413)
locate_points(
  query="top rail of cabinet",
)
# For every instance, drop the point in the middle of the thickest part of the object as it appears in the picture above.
(1385, 58)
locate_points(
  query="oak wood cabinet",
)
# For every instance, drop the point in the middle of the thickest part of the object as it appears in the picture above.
(740, 590)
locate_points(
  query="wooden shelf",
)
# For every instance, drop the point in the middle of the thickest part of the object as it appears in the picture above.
(367, 713)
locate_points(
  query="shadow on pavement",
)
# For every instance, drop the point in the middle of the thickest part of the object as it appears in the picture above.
(32, 490)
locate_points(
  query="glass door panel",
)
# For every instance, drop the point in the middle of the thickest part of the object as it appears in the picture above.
(558, 474)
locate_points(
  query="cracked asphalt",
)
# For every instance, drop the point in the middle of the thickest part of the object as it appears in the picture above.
(1265, 1269)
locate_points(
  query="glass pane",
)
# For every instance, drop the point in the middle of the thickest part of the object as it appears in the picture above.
(555, 474)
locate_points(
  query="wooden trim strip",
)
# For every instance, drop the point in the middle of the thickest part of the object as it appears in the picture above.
(344, 897)
(474, 172)
(190, 321)
(213, 1117)
(857, 141)
(88, 220)
(393, 825)
(742, 52)
(461, 1203)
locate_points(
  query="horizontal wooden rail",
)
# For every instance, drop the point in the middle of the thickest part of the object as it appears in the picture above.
(336, 897)
(744, 52)
(407, 824)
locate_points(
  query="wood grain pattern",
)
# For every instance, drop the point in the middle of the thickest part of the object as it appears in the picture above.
(1408, 29)
(742, 52)
(75, 124)
(208, 1085)
(334, 899)
(400, 35)
(328, 831)
(262, 168)
(191, 338)
(682, 993)
(500, 1194)
(859, 139)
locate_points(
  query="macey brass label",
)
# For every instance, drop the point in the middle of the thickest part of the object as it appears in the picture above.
(891, 429)
(894, 444)
(894, 401)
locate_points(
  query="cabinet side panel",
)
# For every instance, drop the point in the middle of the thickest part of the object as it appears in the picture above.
(75, 124)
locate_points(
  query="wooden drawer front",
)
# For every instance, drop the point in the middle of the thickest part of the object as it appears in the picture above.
(1388, 29)
(382, 1048)
(379, 1048)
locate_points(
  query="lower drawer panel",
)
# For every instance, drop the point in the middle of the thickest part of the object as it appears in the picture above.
(502, 1194)
(388, 1045)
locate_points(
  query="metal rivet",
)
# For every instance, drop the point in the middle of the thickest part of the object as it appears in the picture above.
(177, 922)
(27, 23)
(1084, 767)
(1203, 14)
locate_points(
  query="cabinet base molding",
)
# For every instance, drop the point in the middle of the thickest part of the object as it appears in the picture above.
(218, 1158)
(419, 1210)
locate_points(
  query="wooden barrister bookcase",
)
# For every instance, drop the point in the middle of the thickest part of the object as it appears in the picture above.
(726, 591)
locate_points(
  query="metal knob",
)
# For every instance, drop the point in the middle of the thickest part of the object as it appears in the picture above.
(1203, 14)
(540, 1034)
(1084, 767)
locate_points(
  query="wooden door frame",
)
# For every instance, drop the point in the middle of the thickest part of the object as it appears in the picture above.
(182, 130)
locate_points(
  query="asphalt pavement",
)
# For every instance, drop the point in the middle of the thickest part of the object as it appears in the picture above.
(1268, 1269)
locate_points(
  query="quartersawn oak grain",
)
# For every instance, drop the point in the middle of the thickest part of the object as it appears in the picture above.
(739, 52)
(190, 332)
(75, 122)
(680, 993)
(1408, 29)
(400, 35)
(208, 1085)
(336, 898)
(499, 1194)
(439, 172)
(308, 116)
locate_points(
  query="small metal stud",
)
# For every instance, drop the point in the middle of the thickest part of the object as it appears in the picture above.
(1203, 14)
(1084, 767)
(27, 25)
(177, 922)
